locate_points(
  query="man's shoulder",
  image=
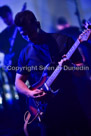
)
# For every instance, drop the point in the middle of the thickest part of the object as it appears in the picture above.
(7, 30)
(60, 36)
(27, 48)
(4, 31)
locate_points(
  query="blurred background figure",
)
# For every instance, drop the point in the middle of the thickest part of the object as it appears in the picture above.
(86, 47)
(62, 26)
(11, 44)
(62, 23)
(83, 90)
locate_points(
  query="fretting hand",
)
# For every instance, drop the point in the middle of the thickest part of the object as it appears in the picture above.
(65, 61)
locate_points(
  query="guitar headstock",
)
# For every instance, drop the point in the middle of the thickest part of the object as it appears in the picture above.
(85, 35)
(24, 6)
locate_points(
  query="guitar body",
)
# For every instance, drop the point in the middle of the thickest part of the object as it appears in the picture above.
(40, 104)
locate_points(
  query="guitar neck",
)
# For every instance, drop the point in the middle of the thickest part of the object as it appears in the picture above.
(59, 68)
(72, 49)
(15, 32)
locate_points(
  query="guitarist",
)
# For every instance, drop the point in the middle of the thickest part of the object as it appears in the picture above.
(8, 42)
(63, 115)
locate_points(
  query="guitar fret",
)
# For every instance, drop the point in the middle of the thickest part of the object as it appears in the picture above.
(53, 76)
(59, 68)
(73, 48)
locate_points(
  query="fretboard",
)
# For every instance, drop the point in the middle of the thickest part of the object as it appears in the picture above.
(59, 68)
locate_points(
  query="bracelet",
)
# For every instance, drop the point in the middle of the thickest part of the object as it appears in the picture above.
(79, 40)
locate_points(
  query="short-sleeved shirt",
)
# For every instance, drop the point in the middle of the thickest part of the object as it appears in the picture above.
(52, 47)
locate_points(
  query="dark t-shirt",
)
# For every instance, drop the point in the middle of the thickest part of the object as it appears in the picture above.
(51, 48)
(32, 61)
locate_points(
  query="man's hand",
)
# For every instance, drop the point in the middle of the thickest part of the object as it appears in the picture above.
(22, 87)
(65, 61)
(36, 93)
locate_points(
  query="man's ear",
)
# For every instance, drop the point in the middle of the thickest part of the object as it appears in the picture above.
(38, 24)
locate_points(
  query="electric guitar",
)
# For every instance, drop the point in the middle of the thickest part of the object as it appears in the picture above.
(39, 106)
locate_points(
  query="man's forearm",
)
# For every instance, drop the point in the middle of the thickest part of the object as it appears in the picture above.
(79, 69)
(22, 87)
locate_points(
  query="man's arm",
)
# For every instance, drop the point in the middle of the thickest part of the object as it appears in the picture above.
(22, 87)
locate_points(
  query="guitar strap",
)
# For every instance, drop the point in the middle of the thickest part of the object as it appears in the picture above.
(13, 39)
(26, 122)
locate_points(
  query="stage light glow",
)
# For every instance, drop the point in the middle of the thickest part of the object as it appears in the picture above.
(8, 96)
(1, 100)
(16, 96)
(1, 59)
(6, 87)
